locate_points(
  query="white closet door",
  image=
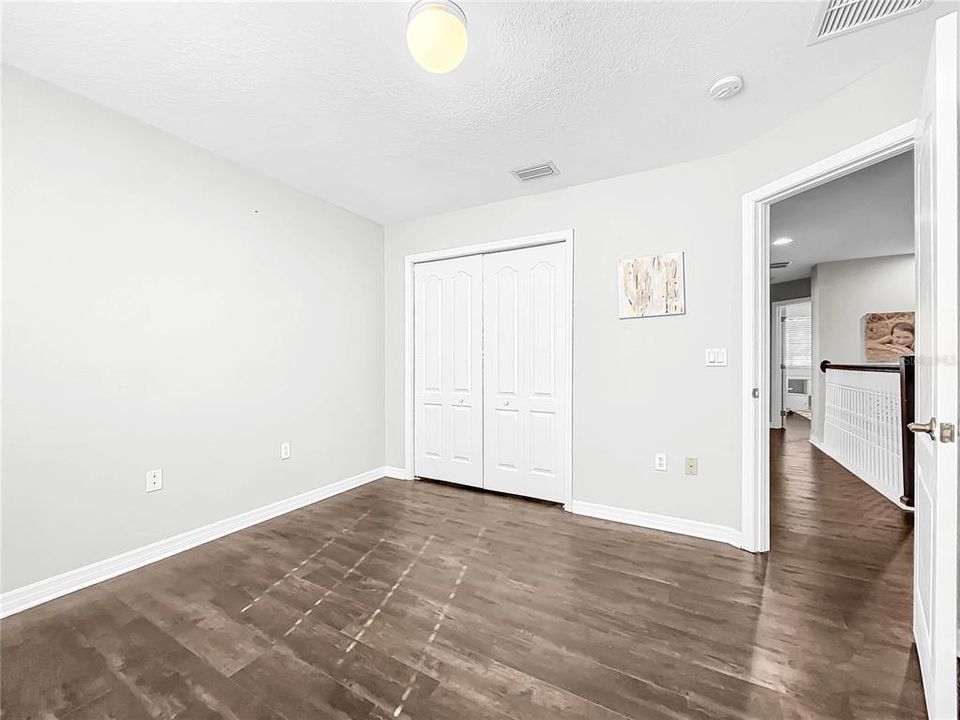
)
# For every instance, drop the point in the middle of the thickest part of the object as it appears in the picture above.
(524, 371)
(448, 421)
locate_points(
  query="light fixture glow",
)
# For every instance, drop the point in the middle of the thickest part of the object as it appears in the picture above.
(437, 35)
(783, 241)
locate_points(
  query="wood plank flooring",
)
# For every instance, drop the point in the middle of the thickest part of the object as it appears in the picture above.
(422, 600)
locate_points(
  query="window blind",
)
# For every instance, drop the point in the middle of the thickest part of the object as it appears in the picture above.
(797, 342)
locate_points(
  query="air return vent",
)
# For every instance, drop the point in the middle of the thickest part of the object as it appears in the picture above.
(780, 265)
(838, 17)
(536, 171)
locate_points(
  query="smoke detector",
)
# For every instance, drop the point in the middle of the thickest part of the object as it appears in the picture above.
(726, 87)
(532, 172)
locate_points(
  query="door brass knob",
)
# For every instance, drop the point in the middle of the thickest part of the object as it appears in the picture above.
(929, 428)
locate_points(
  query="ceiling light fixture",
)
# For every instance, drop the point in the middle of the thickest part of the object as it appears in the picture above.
(783, 241)
(726, 87)
(437, 35)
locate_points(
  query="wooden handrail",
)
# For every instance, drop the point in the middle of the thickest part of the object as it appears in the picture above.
(827, 365)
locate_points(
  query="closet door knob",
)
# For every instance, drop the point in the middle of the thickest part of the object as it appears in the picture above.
(506, 403)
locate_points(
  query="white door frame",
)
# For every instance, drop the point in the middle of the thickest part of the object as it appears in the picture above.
(550, 238)
(776, 353)
(755, 309)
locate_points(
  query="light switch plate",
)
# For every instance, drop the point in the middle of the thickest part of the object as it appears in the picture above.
(660, 462)
(285, 451)
(154, 480)
(716, 357)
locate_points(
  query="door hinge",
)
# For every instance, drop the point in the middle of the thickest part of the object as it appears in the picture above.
(755, 393)
(948, 432)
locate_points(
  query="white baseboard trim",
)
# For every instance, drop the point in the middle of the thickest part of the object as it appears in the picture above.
(693, 528)
(13, 601)
(396, 472)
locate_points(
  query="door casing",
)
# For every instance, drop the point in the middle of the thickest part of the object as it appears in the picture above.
(755, 313)
(550, 238)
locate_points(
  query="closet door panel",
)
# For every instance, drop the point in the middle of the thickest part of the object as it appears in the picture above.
(448, 421)
(522, 369)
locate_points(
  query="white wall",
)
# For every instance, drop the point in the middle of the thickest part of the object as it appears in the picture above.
(163, 307)
(841, 294)
(639, 385)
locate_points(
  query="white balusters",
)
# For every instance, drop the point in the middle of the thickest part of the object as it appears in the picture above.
(862, 427)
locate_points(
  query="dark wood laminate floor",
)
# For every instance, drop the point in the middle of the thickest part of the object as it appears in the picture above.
(428, 601)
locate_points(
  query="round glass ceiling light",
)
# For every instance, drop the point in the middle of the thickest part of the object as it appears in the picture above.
(437, 35)
(783, 241)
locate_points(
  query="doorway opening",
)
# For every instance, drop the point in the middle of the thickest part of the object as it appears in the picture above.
(843, 304)
(758, 378)
(791, 356)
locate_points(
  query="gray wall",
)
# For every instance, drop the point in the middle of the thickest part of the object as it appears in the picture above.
(640, 386)
(790, 290)
(163, 307)
(842, 293)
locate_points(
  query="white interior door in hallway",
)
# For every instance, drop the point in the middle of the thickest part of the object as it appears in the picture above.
(523, 371)
(448, 303)
(490, 371)
(936, 403)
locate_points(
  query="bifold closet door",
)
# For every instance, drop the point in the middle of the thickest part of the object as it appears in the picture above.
(524, 371)
(448, 379)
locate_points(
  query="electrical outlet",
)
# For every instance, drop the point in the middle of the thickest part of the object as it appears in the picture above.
(154, 480)
(660, 462)
(284, 451)
(690, 466)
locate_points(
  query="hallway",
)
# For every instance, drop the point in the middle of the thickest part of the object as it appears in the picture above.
(840, 545)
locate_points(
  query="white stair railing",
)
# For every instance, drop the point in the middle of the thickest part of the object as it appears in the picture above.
(862, 427)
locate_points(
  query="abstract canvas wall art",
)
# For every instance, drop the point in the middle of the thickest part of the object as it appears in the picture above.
(651, 286)
(887, 337)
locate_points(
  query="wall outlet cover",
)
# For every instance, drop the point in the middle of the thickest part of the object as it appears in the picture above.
(154, 480)
(690, 465)
(284, 451)
(660, 462)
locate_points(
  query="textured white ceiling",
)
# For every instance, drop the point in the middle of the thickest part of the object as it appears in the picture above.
(325, 97)
(866, 214)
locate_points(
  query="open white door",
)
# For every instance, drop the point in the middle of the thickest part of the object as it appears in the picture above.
(935, 550)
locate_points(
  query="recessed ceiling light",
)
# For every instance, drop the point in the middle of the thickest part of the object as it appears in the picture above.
(726, 87)
(437, 35)
(783, 241)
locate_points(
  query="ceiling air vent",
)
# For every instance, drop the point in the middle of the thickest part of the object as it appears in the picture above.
(780, 265)
(838, 17)
(536, 171)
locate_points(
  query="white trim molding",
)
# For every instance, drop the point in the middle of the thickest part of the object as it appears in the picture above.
(397, 472)
(550, 238)
(652, 521)
(755, 311)
(22, 598)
